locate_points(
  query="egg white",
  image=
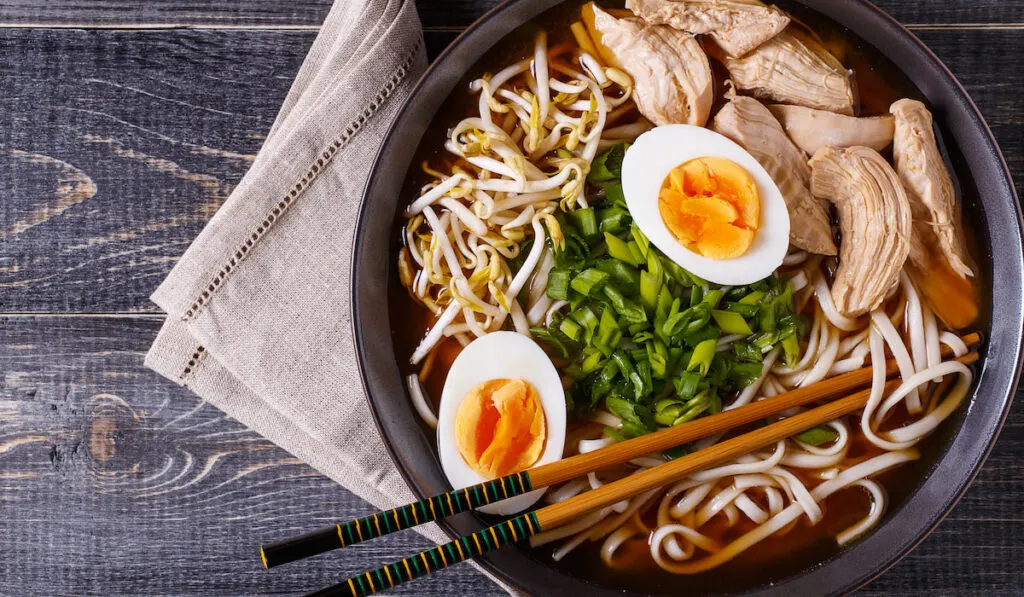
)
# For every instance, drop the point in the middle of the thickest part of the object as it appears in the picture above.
(644, 169)
(500, 355)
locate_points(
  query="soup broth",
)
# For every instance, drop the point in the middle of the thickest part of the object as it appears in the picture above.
(802, 545)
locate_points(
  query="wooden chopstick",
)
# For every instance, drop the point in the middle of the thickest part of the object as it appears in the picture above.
(461, 500)
(554, 515)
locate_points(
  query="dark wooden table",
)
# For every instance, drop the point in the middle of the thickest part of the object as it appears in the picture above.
(123, 126)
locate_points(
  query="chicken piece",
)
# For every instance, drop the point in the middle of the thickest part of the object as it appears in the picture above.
(738, 26)
(671, 75)
(747, 122)
(928, 184)
(791, 68)
(813, 129)
(875, 221)
(939, 261)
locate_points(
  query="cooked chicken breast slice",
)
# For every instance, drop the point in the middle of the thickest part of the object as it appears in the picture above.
(813, 129)
(738, 26)
(747, 122)
(793, 69)
(928, 184)
(875, 220)
(671, 74)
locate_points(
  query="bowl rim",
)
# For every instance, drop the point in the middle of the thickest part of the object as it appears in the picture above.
(994, 386)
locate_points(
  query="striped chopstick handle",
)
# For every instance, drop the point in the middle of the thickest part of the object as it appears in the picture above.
(511, 531)
(390, 521)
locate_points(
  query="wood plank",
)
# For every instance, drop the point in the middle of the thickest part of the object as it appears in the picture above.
(114, 481)
(434, 13)
(121, 144)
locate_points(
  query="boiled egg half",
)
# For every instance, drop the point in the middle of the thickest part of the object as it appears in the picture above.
(502, 411)
(706, 203)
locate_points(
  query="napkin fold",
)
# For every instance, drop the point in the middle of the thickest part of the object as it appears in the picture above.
(259, 314)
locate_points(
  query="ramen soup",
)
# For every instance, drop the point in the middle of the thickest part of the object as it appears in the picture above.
(688, 207)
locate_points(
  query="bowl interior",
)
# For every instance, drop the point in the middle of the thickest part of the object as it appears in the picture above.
(953, 454)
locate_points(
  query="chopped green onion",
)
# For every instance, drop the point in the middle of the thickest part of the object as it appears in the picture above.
(586, 318)
(586, 219)
(619, 249)
(712, 298)
(744, 374)
(571, 329)
(558, 284)
(667, 411)
(747, 352)
(731, 323)
(753, 298)
(613, 193)
(627, 309)
(608, 333)
(639, 256)
(608, 166)
(687, 384)
(640, 239)
(791, 348)
(592, 363)
(614, 219)
(589, 282)
(741, 308)
(696, 296)
(818, 436)
(650, 287)
(623, 275)
(703, 353)
(563, 344)
(700, 334)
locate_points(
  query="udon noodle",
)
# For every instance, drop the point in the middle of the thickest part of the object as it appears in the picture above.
(767, 490)
(483, 231)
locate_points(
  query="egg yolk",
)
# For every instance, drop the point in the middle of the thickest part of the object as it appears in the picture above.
(500, 427)
(711, 206)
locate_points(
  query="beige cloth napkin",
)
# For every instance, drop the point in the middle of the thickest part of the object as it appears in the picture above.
(259, 320)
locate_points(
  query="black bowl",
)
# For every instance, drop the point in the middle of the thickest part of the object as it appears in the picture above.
(991, 207)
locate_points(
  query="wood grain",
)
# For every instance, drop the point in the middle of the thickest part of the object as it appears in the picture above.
(163, 123)
(116, 482)
(444, 14)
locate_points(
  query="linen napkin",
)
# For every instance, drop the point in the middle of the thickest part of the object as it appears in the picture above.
(259, 320)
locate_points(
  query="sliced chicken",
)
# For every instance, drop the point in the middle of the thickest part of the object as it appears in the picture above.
(738, 26)
(747, 122)
(928, 184)
(875, 220)
(793, 69)
(939, 262)
(813, 129)
(671, 74)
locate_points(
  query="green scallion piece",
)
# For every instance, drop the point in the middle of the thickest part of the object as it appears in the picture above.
(589, 282)
(571, 329)
(586, 220)
(741, 308)
(753, 298)
(619, 249)
(731, 323)
(558, 284)
(629, 311)
(650, 287)
(623, 275)
(818, 436)
(613, 193)
(712, 298)
(702, 356)
(791, 349)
